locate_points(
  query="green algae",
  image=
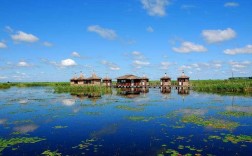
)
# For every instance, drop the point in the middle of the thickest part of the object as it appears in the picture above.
(93, 113)
(236, 114)
(5, 143)
(237, 139)
(214, 123)
(60, 127)
(140, 118)
(51, 153)
(124, 107)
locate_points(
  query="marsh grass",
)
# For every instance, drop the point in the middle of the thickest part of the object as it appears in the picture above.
(224, 86)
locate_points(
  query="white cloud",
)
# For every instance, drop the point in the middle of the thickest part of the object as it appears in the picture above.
(150, 29)
(165, 65)
(47, 44)
(3, 45)
(24, 37)
(231, 4)
(215, 36)
(244, 50)
(75, 54)
(3, 77)
(139, 60)
(2, 121)
(110, 65)
(9, 29)
(103, 32)
(23, 64)
(144, 63)
(187, 47)
(68, 63)
(155, 7)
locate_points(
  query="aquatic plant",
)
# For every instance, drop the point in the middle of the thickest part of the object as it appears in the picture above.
(83, 90)
(5, 143)
(215, 123)
(140, 118)
(59, 127)
(125, 107)
(237, 139)
(51, 153)
(236, 113)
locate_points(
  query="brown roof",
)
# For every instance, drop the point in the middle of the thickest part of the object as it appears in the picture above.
(129, 77)
(94, 77)
(165, 77)
(183, 76)
(106, 78)
(81, 77)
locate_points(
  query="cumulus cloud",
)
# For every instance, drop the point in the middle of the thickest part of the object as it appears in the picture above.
(245, 50)
(231, 4)
(139, 60)
(21, 36)
(110, 65)
(47, 44)
(103, 32)
(75, 54)
(150, 29)
(3, 45)
(68, 63)
(155, 7)
(187, 47)
(139, 64)
(215, 36)
(23, 64)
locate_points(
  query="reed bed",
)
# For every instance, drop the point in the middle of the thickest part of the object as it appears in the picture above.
(238, 86)
(85, 90)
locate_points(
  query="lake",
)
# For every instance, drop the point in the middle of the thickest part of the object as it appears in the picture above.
(37, 121)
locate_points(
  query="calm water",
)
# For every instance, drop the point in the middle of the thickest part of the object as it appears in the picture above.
(147, 124)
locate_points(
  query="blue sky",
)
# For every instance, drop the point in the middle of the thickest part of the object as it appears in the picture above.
(52, 40)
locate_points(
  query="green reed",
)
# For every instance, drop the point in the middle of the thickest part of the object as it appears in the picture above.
(238, 86)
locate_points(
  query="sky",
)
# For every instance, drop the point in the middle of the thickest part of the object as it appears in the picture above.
(45, 40)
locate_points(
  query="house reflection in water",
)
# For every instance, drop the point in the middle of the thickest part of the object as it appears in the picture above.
(132, 92)
(183, 90)
(165, 90)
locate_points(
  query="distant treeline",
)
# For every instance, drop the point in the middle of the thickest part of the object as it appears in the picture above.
(239, 78)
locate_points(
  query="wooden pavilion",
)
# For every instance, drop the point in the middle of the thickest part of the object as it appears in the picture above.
(183, 80)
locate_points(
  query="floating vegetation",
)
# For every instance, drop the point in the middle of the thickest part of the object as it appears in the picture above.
(51, 153)
(237, 139)
(215, 123)
(22, 122)
(93, 113)
(140, 118)
(60, 127)
(5, 143)
(237, 114)
(232, 138)
(125, 107)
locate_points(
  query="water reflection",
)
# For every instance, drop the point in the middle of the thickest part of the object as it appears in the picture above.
(132, 92)
(182, 90)
(25, 128)
(165, 90)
